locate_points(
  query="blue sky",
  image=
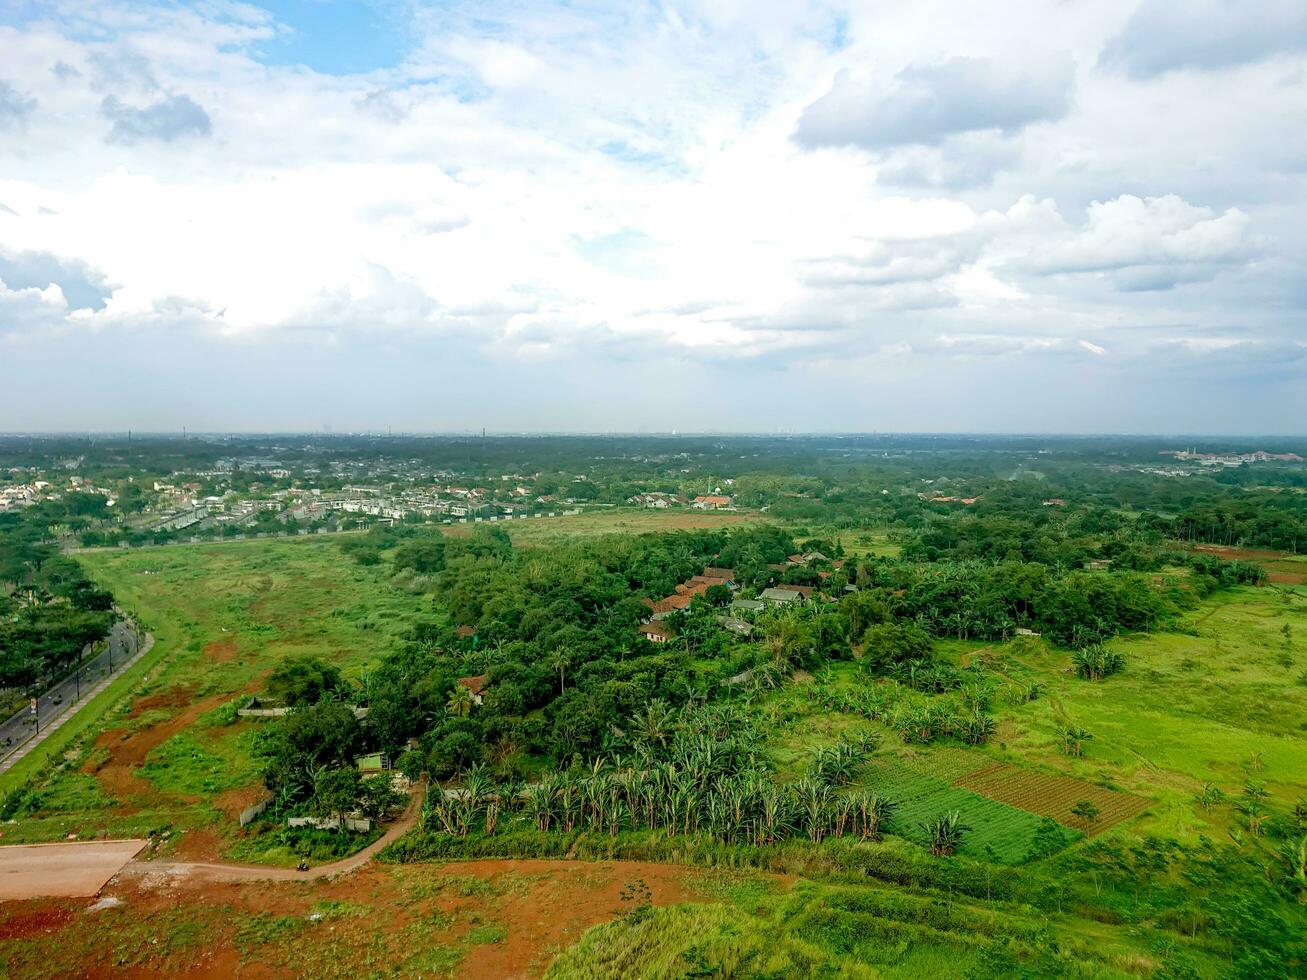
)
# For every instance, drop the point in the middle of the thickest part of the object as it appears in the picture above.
(827, 215)
(338, 37)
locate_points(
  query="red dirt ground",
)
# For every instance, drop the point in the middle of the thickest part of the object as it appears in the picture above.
(220, 651)
(41, 915)
(127, 749)
(542, 907)
(233, 801)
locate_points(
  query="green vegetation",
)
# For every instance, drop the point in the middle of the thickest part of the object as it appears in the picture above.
(994, 725)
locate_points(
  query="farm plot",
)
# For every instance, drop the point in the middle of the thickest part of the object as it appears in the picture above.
(999, 832)
(1051, 795)
(1282, 567)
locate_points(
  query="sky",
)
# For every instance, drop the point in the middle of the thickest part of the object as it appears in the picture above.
(1014, 216)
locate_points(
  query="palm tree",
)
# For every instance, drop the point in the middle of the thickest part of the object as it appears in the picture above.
(560, 660)
(945, 833)
(1096, 661)
(460, 701)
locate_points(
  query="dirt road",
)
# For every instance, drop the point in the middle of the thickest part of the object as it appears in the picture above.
(206, 872)
(70, 870)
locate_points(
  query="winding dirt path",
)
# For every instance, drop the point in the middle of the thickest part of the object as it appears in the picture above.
(216, 872)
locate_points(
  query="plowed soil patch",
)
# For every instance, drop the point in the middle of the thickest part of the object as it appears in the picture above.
(563, 901)
(1286, 578)
(1051, 795)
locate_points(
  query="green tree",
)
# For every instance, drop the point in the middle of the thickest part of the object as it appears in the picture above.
(302, 681)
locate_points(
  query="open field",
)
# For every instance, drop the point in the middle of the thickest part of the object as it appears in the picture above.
(485, 919)
(513, 918)
(534, 532)
(869, 543)
(1220, 703)
(172, 756)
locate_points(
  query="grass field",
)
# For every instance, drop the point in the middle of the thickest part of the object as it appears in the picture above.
(873, 543)
(1221, 699)
(171, 755)
(814, 929)
(535, 532)
(1222, 702)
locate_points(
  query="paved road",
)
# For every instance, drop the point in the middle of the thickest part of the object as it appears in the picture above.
(61, 870)
(196, 871)
(61, 701)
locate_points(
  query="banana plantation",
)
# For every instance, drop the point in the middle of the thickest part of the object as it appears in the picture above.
(699, 772)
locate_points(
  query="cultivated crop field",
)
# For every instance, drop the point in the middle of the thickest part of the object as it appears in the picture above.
(1051, 795)
(998, 832)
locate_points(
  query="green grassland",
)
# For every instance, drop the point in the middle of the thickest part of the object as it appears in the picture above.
(865, 543)
(224, 615)
(822, 929)
(1219, 699)
(1221, 702)
(542, 531)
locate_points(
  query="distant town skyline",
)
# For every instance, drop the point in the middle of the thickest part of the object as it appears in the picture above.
(281, 216)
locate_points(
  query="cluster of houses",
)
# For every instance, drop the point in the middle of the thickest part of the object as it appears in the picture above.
(21, 495)
(658, 500)
(184, 509)
(655, 630)
(1231, 459)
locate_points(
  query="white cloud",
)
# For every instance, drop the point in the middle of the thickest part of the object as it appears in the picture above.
(1161, 240)
(15, 106)
(927, 103)
(1206, 34)
(168, 119)
(30, 308)
(606, 185)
